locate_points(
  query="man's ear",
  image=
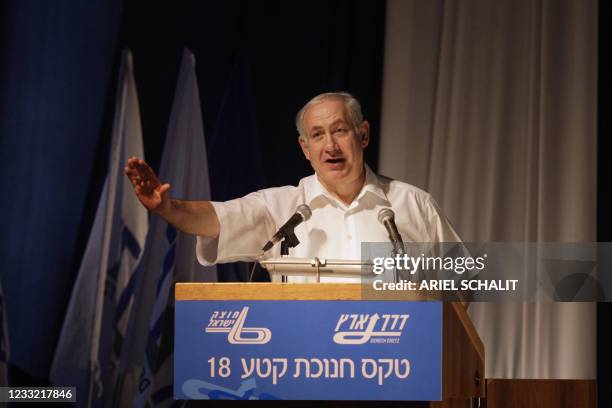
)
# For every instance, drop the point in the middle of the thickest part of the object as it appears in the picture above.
(364, 134)
(304, 145)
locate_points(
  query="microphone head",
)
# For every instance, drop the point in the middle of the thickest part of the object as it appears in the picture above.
(304, 211)
(385, 214)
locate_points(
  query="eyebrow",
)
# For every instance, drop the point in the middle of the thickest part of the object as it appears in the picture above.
(334, 123)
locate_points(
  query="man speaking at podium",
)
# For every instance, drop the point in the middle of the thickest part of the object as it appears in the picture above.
(344, 196)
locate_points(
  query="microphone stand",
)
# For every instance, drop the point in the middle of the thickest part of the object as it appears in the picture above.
(395, 274)
(290, 241)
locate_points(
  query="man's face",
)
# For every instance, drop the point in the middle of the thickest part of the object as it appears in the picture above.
(333, 147)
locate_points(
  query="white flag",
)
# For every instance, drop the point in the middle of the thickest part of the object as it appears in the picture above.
(96, 321)
(169, 255)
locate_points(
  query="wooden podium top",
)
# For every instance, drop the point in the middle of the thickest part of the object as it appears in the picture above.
(284, 291)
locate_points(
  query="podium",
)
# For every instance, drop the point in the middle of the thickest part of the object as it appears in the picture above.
(248, 327)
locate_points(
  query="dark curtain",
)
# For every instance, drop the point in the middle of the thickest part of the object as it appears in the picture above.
(257, 64)
(57, 60)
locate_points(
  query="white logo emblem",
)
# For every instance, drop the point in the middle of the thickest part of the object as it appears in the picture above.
(232, 322)
(362, 328)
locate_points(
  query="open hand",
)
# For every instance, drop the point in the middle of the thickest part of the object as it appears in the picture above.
(149, 190)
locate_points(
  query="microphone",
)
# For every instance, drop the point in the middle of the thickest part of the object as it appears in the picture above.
(387, 218)
(302, 213)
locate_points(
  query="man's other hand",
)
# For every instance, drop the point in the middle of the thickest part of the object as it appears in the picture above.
(149, 190)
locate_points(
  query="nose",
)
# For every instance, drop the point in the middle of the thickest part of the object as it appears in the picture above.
(330, 143)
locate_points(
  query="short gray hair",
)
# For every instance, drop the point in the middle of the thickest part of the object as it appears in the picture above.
(352, 105)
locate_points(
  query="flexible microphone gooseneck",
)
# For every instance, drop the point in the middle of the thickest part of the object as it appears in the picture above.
(387, 218)
(302, 213)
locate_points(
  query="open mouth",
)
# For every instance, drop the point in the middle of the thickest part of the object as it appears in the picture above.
(335, 161)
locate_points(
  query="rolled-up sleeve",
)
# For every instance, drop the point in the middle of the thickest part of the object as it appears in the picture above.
(245, 226)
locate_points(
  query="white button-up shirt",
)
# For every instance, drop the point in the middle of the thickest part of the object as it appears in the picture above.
(334, 231)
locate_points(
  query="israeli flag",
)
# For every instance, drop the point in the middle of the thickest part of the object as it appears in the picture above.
(169, 254)
(91, 339)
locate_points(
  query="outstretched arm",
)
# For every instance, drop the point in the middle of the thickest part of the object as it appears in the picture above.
(191, 217)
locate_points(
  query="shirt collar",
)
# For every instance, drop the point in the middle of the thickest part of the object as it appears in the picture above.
(315, 189)
(372, 185)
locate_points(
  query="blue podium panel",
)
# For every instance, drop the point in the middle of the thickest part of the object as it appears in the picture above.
(308, 350)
